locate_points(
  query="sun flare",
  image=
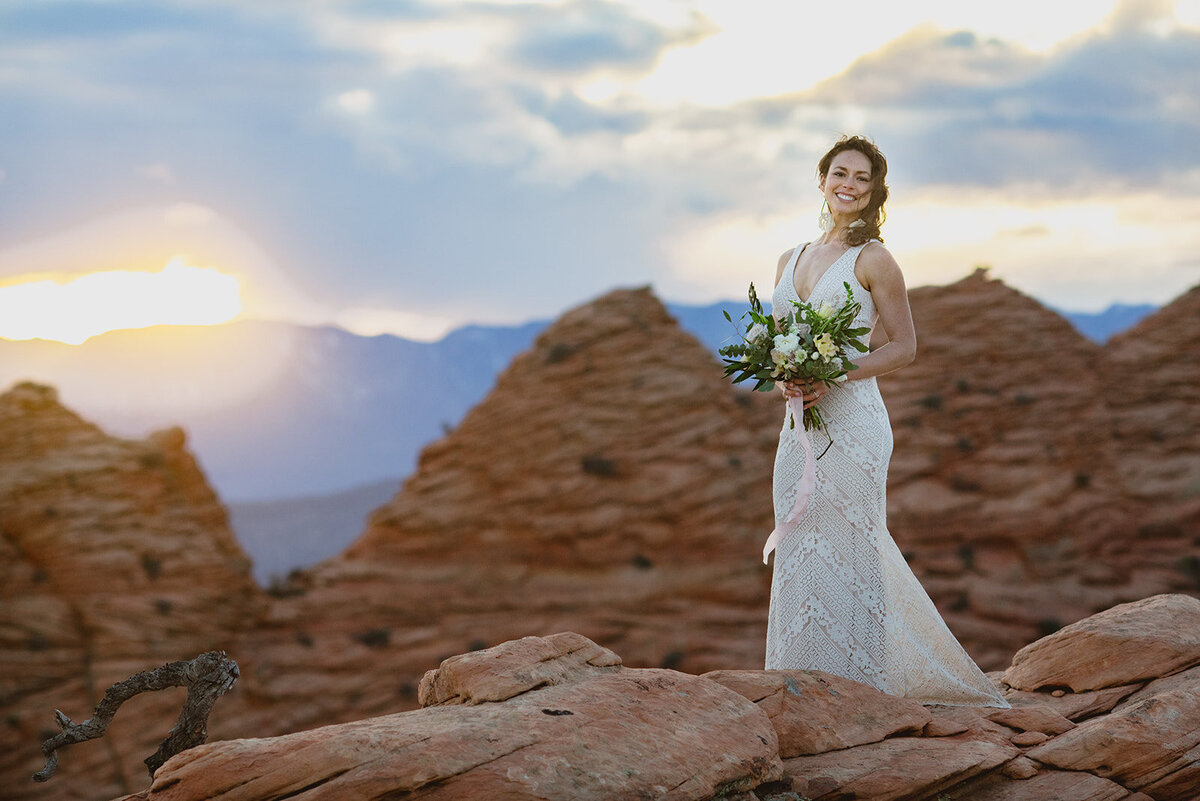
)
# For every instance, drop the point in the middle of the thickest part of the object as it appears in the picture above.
(73, 311)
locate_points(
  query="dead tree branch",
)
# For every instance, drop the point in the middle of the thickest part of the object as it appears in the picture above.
(207, 677)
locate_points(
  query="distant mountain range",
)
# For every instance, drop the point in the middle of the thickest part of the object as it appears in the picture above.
(303, 431)
(274, 410)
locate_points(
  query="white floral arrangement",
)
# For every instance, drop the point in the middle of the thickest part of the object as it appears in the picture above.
(807, 344)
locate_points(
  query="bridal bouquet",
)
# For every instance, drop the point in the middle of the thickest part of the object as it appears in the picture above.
(807, 344)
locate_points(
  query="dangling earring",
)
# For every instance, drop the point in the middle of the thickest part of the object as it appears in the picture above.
(825, 219)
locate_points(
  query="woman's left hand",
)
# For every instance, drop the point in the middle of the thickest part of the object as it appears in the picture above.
(809, 391)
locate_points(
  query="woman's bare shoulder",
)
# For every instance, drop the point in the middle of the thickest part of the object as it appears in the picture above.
(875, 252)
(876, 259)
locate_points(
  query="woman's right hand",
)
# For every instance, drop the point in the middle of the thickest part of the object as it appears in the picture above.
(808, 391)
(791, 389)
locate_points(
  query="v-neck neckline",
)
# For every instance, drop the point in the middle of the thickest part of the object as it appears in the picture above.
(817, 285)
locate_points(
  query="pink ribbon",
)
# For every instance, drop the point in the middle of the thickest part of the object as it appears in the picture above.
(806, 485)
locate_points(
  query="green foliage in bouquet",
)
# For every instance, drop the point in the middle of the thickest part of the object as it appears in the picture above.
(808, 344)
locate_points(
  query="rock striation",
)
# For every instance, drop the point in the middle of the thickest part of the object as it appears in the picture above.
(1022, 486)
(115, 556)
(607, 731)
(613, 484)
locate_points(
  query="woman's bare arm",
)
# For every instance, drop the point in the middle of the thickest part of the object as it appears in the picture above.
(882, 276)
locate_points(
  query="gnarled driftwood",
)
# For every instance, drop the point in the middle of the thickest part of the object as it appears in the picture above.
(207, 677)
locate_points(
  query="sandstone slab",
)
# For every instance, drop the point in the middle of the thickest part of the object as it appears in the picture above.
(1046, 785)
(1021, 767)
(899, 768)
(943, 727)
(1151, 745)
(514, 667)
(1074, 706)
(974, 721)
(1126, 644)
(1025, 739)
(1033, 718)
(815, 712)
(638, 733)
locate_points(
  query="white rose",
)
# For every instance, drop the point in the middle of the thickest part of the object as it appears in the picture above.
(787, 343)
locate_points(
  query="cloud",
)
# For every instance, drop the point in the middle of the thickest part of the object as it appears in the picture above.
(455, 159)
(1114, 107)
(70, 19)
(583, 35)
(357, 101)
(572, 115)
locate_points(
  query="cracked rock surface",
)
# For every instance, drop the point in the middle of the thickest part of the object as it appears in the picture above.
(559, 717)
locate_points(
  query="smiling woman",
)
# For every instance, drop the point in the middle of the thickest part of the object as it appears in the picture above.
(75, 310)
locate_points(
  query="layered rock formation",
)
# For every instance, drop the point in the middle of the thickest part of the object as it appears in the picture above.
(1022, 484)
(612, 484)
(561, 718)
(609, 474)
(114, 556)
(1153, 400)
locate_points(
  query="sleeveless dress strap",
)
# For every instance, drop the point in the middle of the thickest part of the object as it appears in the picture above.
(790, 270)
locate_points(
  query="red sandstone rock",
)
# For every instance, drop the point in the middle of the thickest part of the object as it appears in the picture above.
(1025, 739)
(632, 733)
(1163, 406)
(1125, 644)
(1047, 785)
(1073, 706)
(899, 768)
(943, 727)
(1185, 680)
(577, 739)
(499, 673)
(547, 510)
(1033, 718)
(1021, 767)
(115, 557)
(974, 722)
(1152, 744)
(814, 712)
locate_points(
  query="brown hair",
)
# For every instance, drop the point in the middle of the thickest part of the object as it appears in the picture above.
(873, 215)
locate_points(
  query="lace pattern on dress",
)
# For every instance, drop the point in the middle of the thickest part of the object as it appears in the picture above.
(843, 600)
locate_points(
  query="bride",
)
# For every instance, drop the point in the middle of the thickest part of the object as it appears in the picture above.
(843, 600)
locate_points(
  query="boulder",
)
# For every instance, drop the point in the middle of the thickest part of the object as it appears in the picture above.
(1033, 718)
(899, 768)
(1073, 706)
(514, 667)
(1047, 784)
(1022, 767)
(637, 733)
(815, 712)
(1152, 744)
(1126, 644)
(943, 727)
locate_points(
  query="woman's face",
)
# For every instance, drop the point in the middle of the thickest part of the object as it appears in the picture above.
(847, 186)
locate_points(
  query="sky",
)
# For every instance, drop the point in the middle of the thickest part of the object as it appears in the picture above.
(409, 166)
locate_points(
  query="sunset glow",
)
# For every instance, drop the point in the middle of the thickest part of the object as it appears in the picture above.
(74, 310)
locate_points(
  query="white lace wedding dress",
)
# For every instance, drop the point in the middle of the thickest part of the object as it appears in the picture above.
(843, 600)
